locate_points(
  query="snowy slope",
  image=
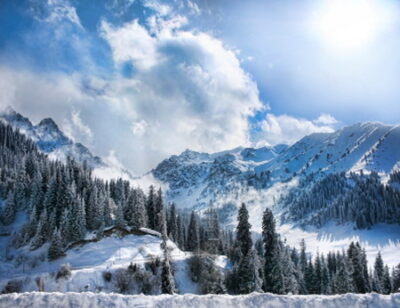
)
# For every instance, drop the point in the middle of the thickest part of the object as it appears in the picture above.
(256, 300)
(89, 261)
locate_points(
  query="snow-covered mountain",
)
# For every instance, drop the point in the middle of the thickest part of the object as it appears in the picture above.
(280, 178)
(50, 139)
(194, 179)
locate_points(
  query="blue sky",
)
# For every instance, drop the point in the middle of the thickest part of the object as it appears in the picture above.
(139, 80)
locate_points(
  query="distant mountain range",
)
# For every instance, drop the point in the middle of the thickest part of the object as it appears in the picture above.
(263, 176)
(258, 176)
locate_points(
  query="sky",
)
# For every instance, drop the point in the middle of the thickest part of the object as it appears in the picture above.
(137, 81)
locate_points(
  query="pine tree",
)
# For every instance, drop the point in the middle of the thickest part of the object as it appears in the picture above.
(180, 233)
(150, 205)
(302, 268)
(76, 221)
(55, 250)
(271, 251)
(378, 274)
(193, 238)
(167, 279)
(343, 282)
(159, 212)
(139, 212)
(119, 217)
(50, 199)
(37, 195)
(396, 278)
(9, 211)
(359, 271)
(386, 281)
(106, 210)
(246, 273)
(309, 277)
(172, 223)
(43, 231)
(94, 212)
(290, 273)
(243, 234)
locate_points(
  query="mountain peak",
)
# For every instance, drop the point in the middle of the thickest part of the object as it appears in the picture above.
(9, 111)
(48, 122)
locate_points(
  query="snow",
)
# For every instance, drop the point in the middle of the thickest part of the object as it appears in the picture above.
(382, 237)
(89, 261)
(256, 300)
(150, 231)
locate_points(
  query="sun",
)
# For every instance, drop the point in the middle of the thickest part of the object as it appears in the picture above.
(346, 25)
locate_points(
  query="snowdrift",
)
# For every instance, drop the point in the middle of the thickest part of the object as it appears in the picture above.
(100, 300)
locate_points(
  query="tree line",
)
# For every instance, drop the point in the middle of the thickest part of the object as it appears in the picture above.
(356, 198)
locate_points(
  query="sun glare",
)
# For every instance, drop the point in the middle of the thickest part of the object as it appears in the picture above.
(345, 25)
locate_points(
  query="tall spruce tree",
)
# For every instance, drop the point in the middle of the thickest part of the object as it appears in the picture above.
(271, 251)
(378, 274)
(396, 279)
(193, 237)
(56, 248)
(150, 206)
(245, 271)
(167, 278)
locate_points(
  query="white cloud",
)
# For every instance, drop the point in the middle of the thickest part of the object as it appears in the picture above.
(188, 88)
(158, 7)
(326, 119)
(55, 11)
(187, 91)
(77, 129)
(287, 129)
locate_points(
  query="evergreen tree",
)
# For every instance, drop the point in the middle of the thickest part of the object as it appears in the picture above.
(246, 273)
(159, 215)
(55, 250)
(9, 211)
(386, 281)
(309, 277)
(167, 279)
(119, 217)
(396, 278)
(139, 212)
(180, 232)
(359, 271)
(43, 231)
(94, 212)
(172, 223)
(37, 195)
(342, 281)
(150, 205)
(271, 251)
(193, 238)
(378, 274)
(76, 221)
(243, 234)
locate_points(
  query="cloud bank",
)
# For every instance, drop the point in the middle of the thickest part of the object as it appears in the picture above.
(170, 87)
